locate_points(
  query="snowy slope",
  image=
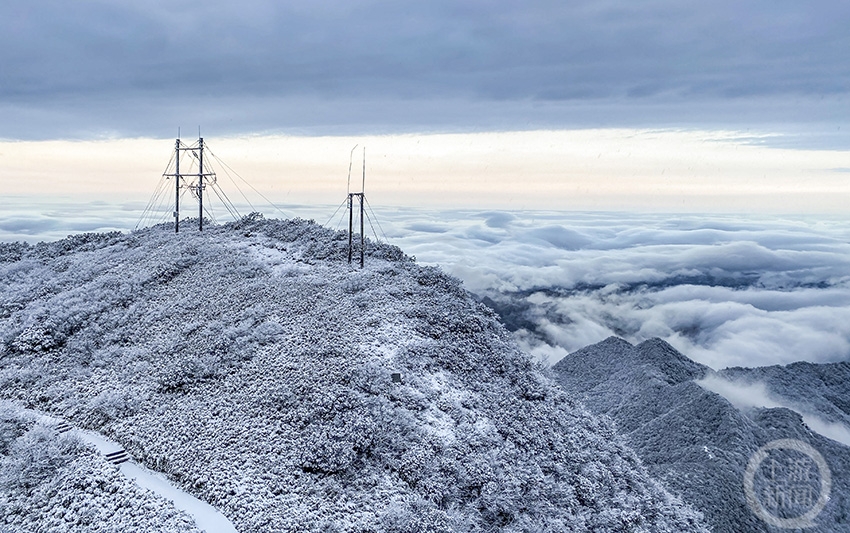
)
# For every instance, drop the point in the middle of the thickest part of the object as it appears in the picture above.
(52, 482)
(694, 439)
(253, 366)
(822, 390)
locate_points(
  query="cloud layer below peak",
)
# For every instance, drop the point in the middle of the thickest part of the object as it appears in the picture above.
(725, 290)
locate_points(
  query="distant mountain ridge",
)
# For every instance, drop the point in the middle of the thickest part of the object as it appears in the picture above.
(694, 440)
(255, 368)
(821, 388)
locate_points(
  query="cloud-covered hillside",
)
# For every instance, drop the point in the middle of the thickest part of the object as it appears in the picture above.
(697, 442)
(253, 366)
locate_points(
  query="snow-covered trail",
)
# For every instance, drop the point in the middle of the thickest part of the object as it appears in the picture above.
(207, 517)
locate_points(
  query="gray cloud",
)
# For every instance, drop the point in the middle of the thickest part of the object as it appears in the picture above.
(129, 68)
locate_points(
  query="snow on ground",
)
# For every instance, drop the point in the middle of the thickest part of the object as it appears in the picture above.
(55, 482)
(252, 380)
(206, 517)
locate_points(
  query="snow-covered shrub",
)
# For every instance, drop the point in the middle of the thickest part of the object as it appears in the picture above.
(355, 285)
(35, 457)
(326, 450)
(112, 405)
(430, 276)
(165, 272)
(81, 242)
(12, 251)
(387, 252)
(38, 338)
(248, 221)
(180, 374)
(416, 515)
(12, 426)
(271, 395)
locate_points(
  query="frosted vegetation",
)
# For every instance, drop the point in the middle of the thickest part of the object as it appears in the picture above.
(253, 366)
(51, 482)
(697, 441)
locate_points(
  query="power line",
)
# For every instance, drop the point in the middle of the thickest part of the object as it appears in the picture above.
(227, 204)
(249, 185)
(156, 193)
(335, 212)
(378, 222)
(226, 173)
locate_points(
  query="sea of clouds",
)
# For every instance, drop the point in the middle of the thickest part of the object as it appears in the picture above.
(725, 290)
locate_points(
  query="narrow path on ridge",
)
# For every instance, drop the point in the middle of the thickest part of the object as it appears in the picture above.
(206, 517)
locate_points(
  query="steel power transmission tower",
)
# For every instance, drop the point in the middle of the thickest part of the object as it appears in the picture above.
(351, 197)
(180, 181)
(361, 197)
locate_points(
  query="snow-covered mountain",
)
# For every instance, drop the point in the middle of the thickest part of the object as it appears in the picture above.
(263, 374)
(677, 415)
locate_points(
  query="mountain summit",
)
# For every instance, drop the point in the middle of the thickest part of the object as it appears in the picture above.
(263, 374)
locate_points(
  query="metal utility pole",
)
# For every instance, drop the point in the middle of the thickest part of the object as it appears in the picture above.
(177, 187)
(350, 225)
(361, 200)
(201, 184)
(361, 197)
(362, 234)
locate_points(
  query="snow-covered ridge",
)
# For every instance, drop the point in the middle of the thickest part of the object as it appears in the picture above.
(252, 365)
(696, 429)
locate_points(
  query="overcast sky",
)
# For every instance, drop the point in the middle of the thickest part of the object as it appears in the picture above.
(106, 68)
